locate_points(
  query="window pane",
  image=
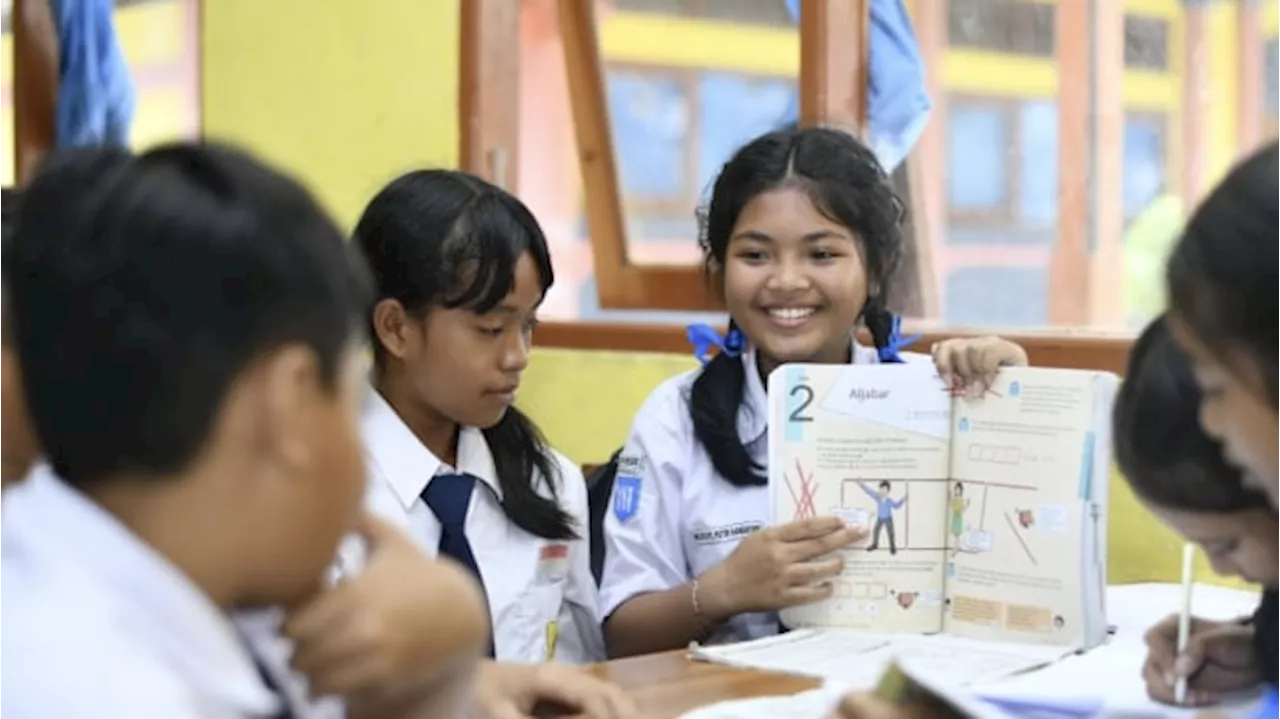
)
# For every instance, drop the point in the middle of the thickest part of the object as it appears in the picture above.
(1144, 163)
(687, 82)
(997, 297)
(986, 195)
(977, 142)
(1038, 201)
(1011, 26)
(1146, 43)
(1271, 75)
(732, 110)
(650, 114)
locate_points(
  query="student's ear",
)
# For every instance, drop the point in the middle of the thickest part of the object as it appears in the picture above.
(289, 390)
(391, 327)
(715, 277)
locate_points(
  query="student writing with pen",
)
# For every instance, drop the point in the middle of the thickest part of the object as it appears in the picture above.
(1179, 475)
(1222, 279)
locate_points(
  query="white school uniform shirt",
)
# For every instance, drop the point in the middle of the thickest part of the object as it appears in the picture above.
(98, 624)
(543, 602)
(672, 517)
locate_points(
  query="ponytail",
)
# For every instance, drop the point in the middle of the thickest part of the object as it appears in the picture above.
(520, 454)
(714, 401)
(885, 328)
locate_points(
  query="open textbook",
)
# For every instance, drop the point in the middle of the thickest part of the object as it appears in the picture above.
(986, 516)
(1105, 682)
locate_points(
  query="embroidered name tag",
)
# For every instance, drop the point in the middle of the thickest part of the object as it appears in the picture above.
(724, 533)
(627, 484)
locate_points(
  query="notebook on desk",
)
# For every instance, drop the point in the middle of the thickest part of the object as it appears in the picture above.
(1106, 682)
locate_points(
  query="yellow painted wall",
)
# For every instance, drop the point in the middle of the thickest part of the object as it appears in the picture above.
(344, 94)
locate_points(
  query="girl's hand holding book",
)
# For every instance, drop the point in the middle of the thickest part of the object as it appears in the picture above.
(778, 567)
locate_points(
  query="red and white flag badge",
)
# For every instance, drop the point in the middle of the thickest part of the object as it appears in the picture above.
(553, 562)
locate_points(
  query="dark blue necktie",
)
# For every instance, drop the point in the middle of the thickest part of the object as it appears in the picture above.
(448, 496)
(269, 681)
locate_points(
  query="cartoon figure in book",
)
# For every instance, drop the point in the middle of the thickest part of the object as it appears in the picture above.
(1026, 518)
(958, 506)
(885, 507)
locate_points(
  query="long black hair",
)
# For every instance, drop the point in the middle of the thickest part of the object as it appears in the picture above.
(1222, 273)
(443, 238)
(846, 183)
(1221, 284)
(9, 198)
(1160, 448)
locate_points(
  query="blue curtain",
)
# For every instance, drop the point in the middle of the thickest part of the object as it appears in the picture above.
(95, 93)
(898, 101)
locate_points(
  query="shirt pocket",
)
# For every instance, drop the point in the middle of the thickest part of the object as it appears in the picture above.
(531, 633)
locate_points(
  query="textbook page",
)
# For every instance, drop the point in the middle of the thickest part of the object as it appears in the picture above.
(858, 659)
(867, 443)
(1022, 467)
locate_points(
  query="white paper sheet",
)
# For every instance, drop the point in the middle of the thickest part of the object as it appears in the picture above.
(1107, 682)
(857, 660)
(1104, 683)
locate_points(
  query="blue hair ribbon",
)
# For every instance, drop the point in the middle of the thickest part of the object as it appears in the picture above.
(703, 337)
(896, 343)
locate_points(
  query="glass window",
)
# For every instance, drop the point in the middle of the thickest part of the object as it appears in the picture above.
(977, 136)
(1038, 155)
(650, 115)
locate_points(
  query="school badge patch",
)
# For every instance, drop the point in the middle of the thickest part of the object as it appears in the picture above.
(626, 489)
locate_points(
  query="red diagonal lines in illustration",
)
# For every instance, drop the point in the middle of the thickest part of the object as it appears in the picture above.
(804, 498)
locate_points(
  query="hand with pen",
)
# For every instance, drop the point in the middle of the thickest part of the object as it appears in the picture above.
(1219, 659)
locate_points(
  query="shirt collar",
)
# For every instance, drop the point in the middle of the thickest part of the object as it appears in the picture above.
(196, 639)
(405, 462)
(753, 415)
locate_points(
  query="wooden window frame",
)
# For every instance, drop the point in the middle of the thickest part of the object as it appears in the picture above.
(828, 60)
(35, 85)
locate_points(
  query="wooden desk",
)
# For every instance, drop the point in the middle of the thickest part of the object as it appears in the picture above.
(668, 684)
